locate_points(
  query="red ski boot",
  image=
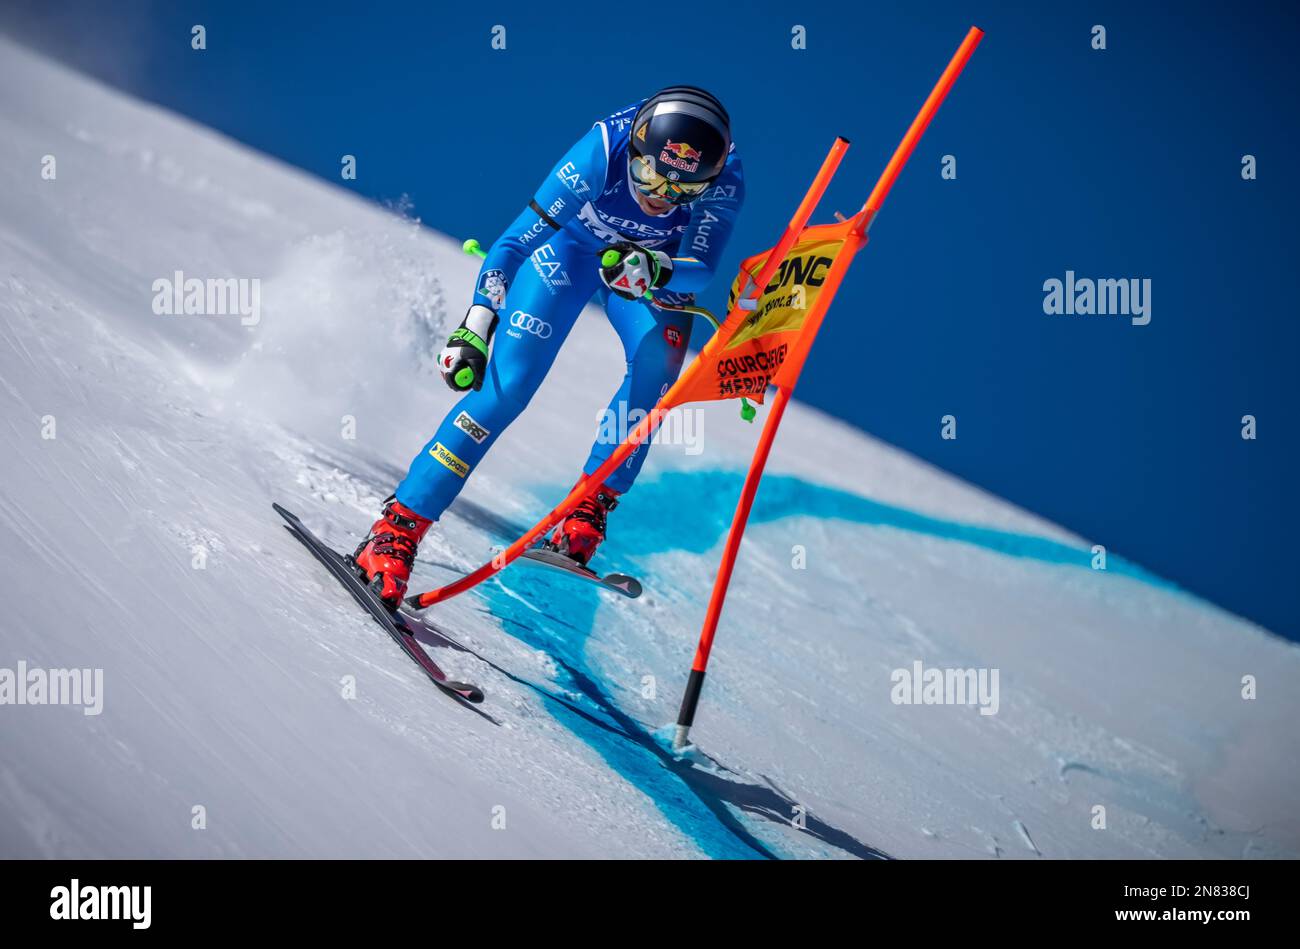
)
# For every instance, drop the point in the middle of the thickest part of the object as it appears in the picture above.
(584, 529)
(387, 554)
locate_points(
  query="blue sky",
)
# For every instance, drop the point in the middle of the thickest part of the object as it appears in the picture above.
(1122, 163)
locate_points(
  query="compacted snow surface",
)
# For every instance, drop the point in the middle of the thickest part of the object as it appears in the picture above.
(250, 709)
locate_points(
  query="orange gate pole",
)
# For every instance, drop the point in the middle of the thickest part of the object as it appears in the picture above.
(855, 239)
(695, 682)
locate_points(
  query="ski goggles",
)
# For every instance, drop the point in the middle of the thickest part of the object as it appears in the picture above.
(654, 185)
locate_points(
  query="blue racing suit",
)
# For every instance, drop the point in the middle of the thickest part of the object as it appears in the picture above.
(582, 206)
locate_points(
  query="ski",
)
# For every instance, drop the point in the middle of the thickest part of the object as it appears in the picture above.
(618, 582)
(395, 624)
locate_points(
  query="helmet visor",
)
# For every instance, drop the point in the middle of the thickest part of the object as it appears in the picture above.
(654, 185)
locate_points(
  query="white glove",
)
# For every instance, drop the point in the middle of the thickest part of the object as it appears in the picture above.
(463, 361)
(632, 271)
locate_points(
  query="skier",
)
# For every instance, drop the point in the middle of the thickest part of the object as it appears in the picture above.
(658, 178)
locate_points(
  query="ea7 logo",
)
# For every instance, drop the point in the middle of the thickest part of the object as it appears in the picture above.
(473, 429)
(569, 174)
(674, 336)
(719, 193)
(530, 324)
(549, 269)
(544, 261)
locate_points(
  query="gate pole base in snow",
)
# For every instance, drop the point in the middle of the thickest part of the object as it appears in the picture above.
(686, 717)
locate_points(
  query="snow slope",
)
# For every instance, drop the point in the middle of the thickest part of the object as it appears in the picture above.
(139, 540)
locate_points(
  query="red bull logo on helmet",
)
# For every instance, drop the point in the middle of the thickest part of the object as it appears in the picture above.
(681, 156)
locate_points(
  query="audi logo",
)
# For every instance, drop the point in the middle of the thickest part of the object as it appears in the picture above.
(530, 324)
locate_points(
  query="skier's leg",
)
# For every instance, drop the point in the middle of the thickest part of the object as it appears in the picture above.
(654, 342)
(538, 315)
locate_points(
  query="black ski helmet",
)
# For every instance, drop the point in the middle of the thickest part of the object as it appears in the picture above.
(685, 131)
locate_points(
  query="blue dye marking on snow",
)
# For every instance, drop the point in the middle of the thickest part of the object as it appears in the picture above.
(584, 707)
(713, 497)
(654, 518)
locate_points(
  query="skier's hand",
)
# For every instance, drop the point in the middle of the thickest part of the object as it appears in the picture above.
(463, 361)
(632, 271)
